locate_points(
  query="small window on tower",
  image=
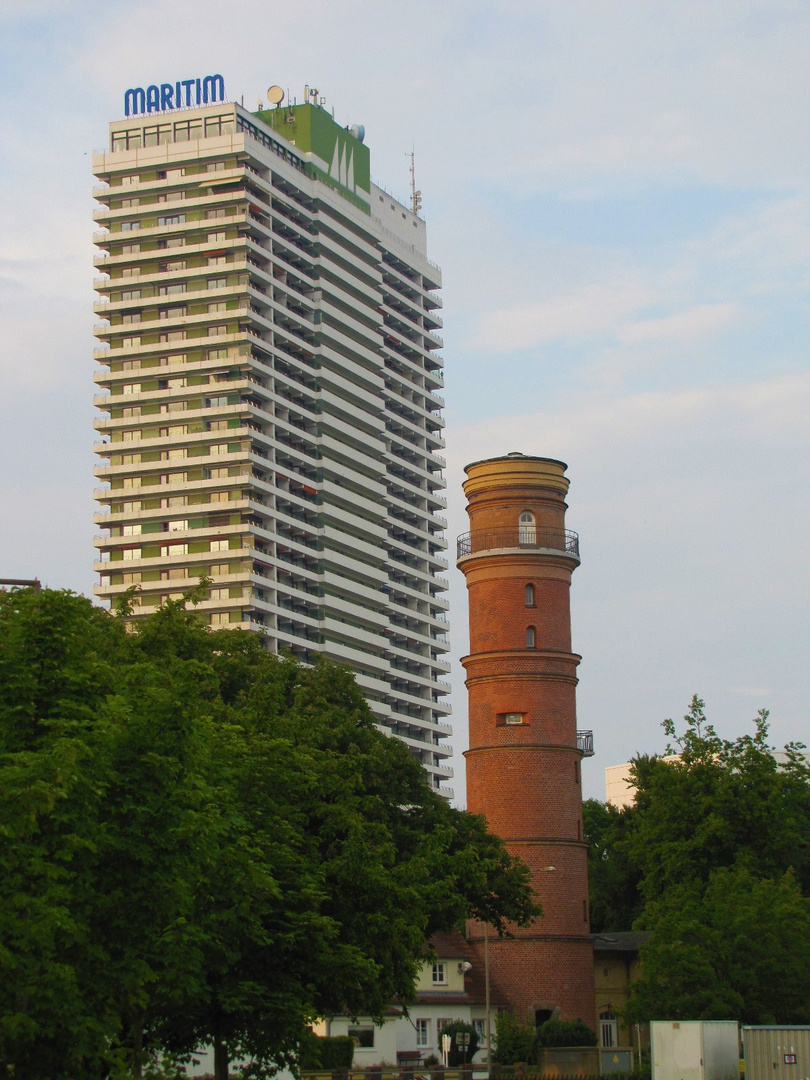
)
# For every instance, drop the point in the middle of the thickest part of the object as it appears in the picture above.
(531, 637)
(528, 596)
(511, 718)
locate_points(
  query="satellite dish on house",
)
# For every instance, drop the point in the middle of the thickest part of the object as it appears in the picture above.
(275, 95)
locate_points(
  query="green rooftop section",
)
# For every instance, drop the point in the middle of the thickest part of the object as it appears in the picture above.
(313, 131)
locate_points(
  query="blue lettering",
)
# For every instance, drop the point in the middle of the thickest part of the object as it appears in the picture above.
(134, 101)
(170, 96)
(215, 85)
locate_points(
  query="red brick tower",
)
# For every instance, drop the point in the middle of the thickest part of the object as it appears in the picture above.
(523, 764)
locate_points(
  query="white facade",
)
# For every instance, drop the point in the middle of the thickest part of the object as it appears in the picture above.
(451, 989)
(270, 415)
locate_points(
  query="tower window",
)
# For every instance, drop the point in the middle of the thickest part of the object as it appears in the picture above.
(511, 718)
(527, 532)
(531, 637)
(528, 596)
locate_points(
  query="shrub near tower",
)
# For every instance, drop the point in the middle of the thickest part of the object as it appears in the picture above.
(523, 764)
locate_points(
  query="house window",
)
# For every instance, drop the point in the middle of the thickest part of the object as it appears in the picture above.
(480, 1025)
(423, 1030)
(527, 532)
(528, 596)
(218, 618)
(362, 1036)
(441, 1025)
(217, 283)
(608, 1029)
(439, 975)
(172, 219)
(531, 637)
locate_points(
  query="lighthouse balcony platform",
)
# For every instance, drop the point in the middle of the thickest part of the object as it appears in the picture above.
(523, 538)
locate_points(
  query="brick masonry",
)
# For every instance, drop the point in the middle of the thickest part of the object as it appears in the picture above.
(523, 765)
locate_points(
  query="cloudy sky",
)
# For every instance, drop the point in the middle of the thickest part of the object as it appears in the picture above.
(618, 196)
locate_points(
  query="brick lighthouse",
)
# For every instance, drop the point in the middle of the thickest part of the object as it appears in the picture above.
(523, 764)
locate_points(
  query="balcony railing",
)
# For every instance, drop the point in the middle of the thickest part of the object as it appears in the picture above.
(585, 743)
(526, 537)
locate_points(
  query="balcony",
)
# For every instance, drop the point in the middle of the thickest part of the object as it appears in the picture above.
(524, 538)
(585, 743)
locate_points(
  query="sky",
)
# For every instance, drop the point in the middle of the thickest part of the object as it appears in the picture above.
(618, 195)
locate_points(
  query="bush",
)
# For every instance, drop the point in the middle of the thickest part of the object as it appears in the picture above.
(514, 1041)
(457, 1055)
(318, 1053)
(565, 1033)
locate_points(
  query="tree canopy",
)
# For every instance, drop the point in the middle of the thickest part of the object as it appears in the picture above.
(712, 857)
(205, 842)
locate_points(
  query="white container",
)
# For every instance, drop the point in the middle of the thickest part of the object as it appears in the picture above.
(695, 1050)
(776, 1053)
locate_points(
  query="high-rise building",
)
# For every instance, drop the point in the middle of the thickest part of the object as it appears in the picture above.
(270, 415)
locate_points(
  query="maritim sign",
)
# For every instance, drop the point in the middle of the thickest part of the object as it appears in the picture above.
(178, 95)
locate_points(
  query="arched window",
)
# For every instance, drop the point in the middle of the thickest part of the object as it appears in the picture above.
(608, 1029)
(531, 638)
(528, 595)
(527, 533)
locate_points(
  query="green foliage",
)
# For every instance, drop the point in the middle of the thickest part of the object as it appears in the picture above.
(514, 1041)
(713, 857)
(614, 898)
(457, 1055)
(202, 842)
(737, 949)
(325, 1052)
(565, 1033)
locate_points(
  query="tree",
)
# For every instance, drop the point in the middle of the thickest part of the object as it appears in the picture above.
(615, 902)
(460, 1055)
(713, 857)
(739, 949)
(206, 842)
(515, 1041)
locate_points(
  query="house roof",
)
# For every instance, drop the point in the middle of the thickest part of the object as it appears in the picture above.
(624, 941)
(454, 947)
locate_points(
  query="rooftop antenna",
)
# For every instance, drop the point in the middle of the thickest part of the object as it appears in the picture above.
(416, 196)
(275, 95)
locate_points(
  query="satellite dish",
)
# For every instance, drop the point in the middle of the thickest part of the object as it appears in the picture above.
(275, 95)
(358, 131)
